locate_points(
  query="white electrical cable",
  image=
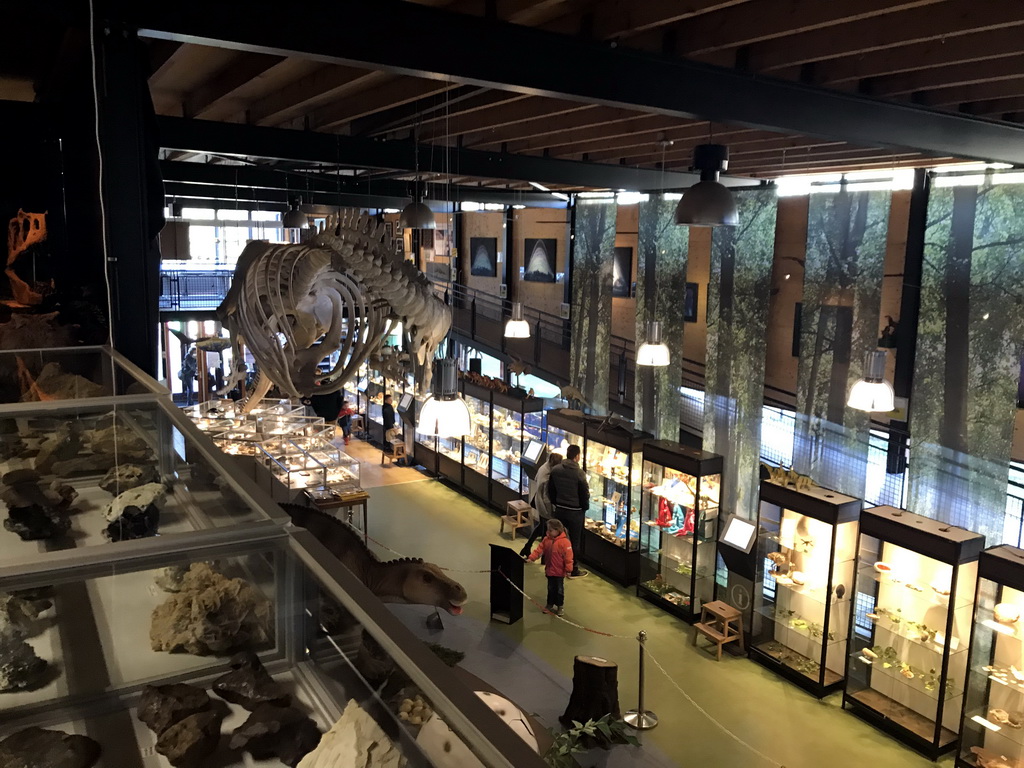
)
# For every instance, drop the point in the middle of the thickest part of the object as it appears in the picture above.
(99, 159)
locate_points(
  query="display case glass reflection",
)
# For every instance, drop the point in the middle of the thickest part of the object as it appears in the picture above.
(680, 517)
(507, 447)
(806, 550)
(910, 631)
(614, 480)
(993, 729)
(476, 451)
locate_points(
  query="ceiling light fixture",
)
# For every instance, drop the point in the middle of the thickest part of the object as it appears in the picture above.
(653, 352)
(294, 218)
(517, 327)
(873, 393)
(708, 203)
(444, 413)
(417, 215)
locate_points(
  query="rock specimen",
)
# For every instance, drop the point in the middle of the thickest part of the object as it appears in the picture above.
(161, 706)
(169, 579)
(355, 739)
(121, 440)
(65, 443)
(188, 743)
(125, 477)
(34, 522)
(211, 614)
(35, 513)
(19, 615)
(20, 668)
(135, 514)
(53, 383)
(249, 684)
(38, 748)
(94, 464)
(281, 732)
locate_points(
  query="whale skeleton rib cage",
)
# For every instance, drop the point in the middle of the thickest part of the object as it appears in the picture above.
(342, 291)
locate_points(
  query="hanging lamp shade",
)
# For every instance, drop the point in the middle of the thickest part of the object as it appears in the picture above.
(444, 413)
(416, 215)
(873, 393)
(517, 327)
(653, 352)
(294, 218)
(708, 203)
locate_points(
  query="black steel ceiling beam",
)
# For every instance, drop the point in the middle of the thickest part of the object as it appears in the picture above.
(236, 140)
(373, 193)
(389, 35)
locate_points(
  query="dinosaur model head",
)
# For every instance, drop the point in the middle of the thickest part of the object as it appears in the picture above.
(426, 584)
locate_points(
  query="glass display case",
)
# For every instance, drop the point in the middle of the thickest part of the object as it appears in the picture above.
(991, 731)
(425, 450)
(291, 468)
(515, 421)
(241, 440)
(294, 425)
(913, 599)
(806, 552)
(679, 510)
(476, 447)
(612, 460)
(376, 387)
(563, 427)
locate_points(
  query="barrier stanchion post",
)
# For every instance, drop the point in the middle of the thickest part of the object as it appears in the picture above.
(640, 718)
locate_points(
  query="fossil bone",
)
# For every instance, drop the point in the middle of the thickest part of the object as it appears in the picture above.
(341, 290)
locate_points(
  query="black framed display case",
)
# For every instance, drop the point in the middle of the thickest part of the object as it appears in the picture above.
(807, 552)
(992, 732)
(679, 510)
(612, 460)
(563, 427)
(476, 446)
(514, 421)
(424, 449)
(913, 600)
(376, 387)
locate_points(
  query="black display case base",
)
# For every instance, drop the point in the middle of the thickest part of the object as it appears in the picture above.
(776, 662)
(501, 495)
(611, 560)
(901, 722)
(684, 612)
(426, 458)
(476, 484)
(375, 431)
(449, 469)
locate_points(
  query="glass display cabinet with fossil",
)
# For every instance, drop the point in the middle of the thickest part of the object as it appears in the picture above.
(807, 551)
(913, 599)
(992, 732)
(679, 513)
(508, 435)
(376, 388)
(612, 459)
(476, 448)
(288, 469)
(425, 447)
(564, 427)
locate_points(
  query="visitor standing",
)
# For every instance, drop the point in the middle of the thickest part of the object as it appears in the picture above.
(569, 495)
(555, 551)
(387, 413)
(541, 511)
(345, 420)
(189, 369)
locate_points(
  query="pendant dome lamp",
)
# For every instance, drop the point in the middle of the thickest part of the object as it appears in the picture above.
(708, 203)
(294, 218)
(653, 352)
(873, 393)
(444, 413)
(416, 215)
(517, 327)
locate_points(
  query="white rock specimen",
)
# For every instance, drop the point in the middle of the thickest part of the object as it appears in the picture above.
(355, 739)
(125, 477)
(137, 499)
(446, 750)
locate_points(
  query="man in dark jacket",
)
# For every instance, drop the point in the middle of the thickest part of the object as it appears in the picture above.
(387, 412)
(570, 497)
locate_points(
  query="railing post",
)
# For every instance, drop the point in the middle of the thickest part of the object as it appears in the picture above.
(472, 319)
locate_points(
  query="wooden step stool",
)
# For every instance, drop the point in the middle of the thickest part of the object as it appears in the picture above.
(518, 516)
(720, 623)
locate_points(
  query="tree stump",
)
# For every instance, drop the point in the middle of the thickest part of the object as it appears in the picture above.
(595, 690)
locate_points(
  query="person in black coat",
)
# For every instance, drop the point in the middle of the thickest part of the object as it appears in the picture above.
(387, 412)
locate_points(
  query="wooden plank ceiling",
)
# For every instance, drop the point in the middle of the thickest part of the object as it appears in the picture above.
(957, 55)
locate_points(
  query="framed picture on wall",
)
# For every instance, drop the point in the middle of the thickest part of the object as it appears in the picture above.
(691, 302)
(622, 271)
(539, 258)
(483, 259)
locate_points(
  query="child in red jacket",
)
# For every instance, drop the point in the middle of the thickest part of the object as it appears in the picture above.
(556, 553)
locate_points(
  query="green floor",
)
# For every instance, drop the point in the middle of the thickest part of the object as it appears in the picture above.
(429, 520)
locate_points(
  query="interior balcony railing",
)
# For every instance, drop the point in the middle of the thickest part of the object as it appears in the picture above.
(198, 290)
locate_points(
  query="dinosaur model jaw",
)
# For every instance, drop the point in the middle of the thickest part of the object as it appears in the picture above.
(455, 608)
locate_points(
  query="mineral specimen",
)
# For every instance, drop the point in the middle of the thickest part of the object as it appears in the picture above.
(64, 444)
(161, 706)
(211, 614)
(170, 578)
(135, 513)
(34, 522)
(19, 615)
(35, 513)
(188, 743)
(249, 684)
(355, 739)
(119, 440)
(38, 748)
(20, 668)
(281, 732)
(125, 477)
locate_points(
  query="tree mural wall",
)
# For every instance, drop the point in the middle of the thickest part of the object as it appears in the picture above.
(843, 271)
(738, 292)
(592, 300)
(969, 349)
(660, 288)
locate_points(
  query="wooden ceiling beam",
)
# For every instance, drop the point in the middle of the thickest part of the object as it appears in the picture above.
(737, 152)
(683, 138)
(527, 12)
(948, 19)
(961, 94)
(642, 128)
(949, 76)
(503, 123)
(994, 107)
(920, 161)
(377, 99)
(160, 52)
(869, 157)
(172, 57)
(247, 67)
(941, 52)
(324, 84)
(483, 99)
(607, 19)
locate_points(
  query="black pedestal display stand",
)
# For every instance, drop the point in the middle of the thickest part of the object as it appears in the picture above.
(506, 599)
